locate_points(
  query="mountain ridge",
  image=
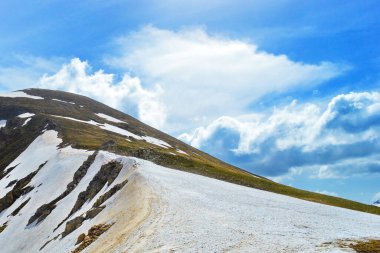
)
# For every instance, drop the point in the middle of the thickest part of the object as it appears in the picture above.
(79, 176)
(70, 115)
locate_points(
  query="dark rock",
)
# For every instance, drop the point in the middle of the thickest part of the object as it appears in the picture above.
(3, 227)
(18, 209)
(93, 212)
(11, 183)
(109, 194)
(72, 225)
(93, 234)
(80, 238)
(106, 175)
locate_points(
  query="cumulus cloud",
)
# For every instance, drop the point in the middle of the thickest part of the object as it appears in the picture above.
(339, 139)
(76, 77)
(210, 75)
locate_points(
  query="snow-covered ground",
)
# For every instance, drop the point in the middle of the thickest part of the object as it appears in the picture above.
(109, 118)
(165, 210)
(18, 94)
(26, 115)
(58, 100)
(192, 213)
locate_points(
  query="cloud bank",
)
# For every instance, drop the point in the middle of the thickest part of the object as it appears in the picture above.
(181, 79)
(336, 140)
(205, 76)
(128, 93)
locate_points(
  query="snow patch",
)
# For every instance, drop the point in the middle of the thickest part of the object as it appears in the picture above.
(19, 94)
(121, 131)
(109, 118)
(26, 122)
(63, 101)
(181, 152)
(3, 123)
(156, 141)
(118, 130)
(26, 115)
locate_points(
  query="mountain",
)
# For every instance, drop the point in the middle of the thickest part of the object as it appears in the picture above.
(77, 175)
(377, 203)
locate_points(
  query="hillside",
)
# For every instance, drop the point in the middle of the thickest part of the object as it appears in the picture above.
(78, 175)
(86, 124)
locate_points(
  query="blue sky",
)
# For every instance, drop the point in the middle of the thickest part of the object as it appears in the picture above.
(285, 89)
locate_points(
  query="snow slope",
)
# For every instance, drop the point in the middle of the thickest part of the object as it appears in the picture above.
(192, 213)
(18, 94)
(165, 210)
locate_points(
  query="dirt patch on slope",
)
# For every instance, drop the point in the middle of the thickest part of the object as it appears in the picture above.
(128, 213)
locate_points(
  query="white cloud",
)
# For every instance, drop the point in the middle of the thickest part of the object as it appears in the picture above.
(342, 138)
(325, 172)
(207, 75)
(75, 77)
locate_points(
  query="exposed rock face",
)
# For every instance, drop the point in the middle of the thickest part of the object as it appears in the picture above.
(109, 194)
(106, 175)
(5, 173)
(18, 209)
(3, 227)
(44, 210)
(93, 234)
(18, 190)
(72, 225)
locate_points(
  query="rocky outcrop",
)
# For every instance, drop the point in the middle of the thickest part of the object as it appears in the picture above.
(109, 194)
(72, 225)
(106, 175)
(3, 227)
(93, 234)
(19, 189)
(18, 209)
(44, 210)
(4, 173)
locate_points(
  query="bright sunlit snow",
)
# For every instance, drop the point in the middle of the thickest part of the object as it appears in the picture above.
(109, 118)
(26, 115)
(18, 94)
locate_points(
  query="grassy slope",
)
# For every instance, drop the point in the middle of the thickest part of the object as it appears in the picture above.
(86, 136)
